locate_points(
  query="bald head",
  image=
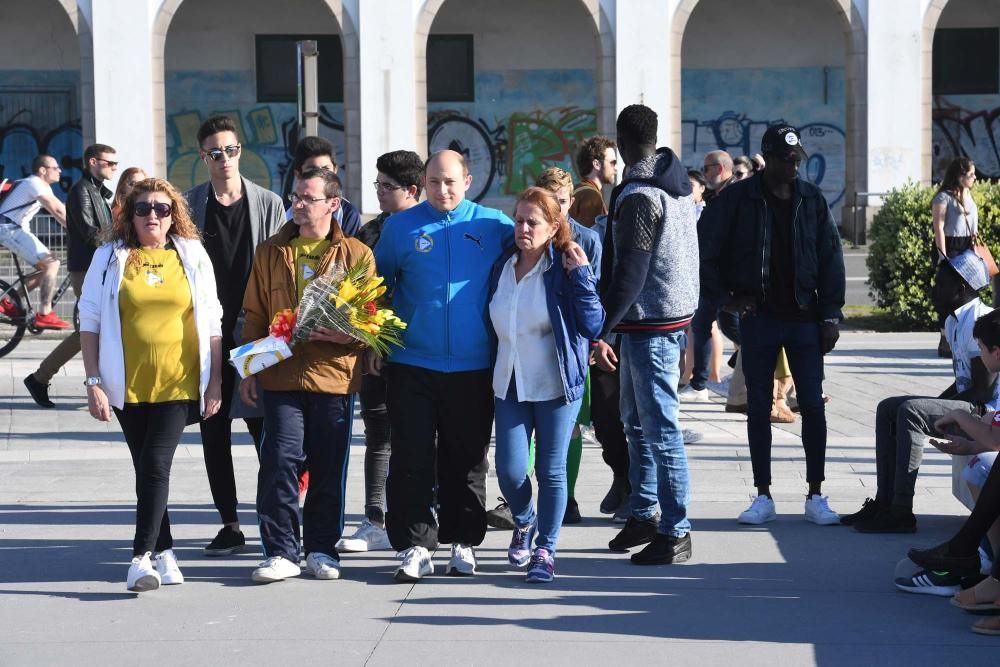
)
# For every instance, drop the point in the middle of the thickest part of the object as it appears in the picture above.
(446, 179)
(717, 168)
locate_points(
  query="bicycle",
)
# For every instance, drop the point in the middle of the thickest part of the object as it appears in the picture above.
(12, 327)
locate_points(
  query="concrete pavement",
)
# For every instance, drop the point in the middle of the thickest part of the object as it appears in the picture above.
(787, 592)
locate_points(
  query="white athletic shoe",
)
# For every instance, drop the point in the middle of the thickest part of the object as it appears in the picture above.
(691, 395)
(415, 566)
(322, 566)
(818, 511)
(761, 510)
(166, 565)
(463, 561)
(275, 568)
(368, 537)
(142, 576)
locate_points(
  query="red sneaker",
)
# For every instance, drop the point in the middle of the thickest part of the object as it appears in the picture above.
(9, 308)
(50, 321)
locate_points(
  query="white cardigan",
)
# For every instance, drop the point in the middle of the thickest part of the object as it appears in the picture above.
(99, 311)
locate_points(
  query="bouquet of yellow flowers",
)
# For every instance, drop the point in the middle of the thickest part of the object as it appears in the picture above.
(346, 300)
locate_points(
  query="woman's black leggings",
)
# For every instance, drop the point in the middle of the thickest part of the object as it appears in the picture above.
(152, 431)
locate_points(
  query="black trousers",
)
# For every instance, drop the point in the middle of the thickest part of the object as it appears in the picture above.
(303, 429)
(152, 432)
(377, 446)
(440, 429)
(606, 415)
(217, 446)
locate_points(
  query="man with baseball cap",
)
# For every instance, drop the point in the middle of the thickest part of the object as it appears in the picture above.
(770, 251)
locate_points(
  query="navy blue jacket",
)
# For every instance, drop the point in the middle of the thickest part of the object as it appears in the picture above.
(576, 314)
(734, 235)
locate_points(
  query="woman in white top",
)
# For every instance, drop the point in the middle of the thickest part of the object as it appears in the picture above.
(151, 337)
(545, 310)
(955, 216)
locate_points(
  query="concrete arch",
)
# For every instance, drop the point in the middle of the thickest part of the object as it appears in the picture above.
(349, 40)
(605, 69)
(932, 15)
(856, 48)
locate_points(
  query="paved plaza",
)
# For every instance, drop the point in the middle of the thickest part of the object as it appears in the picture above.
(786, 593)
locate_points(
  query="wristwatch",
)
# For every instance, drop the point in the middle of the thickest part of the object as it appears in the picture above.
(832, 320)
(92, 381)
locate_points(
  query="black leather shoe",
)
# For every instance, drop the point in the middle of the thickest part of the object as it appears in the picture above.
(939, 558)
(500, 516)
(890, 519)
(572, 514)
(664, 550)
(868, 510)
(39, 392)
(615, 495)
(635, 532)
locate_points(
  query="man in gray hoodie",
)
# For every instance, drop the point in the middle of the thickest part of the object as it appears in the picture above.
(650, 293)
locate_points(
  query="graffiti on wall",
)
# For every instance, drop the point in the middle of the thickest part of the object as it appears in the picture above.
(971, 129)
(521, 123)
(509, 156)
(38, 114)
(739, 135)
(729, 109)
(267, 132)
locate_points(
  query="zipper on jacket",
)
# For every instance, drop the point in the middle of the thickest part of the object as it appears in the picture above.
(763, 256)
(447, 290)
(795, 280)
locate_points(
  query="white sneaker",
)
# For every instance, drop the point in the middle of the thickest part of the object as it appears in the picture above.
(142, 576)
(166, 566)
(275, 568)
(463, 561)
(818, 511)
(321, 566)
(368, 537)
(691, 395)
(416, 564)
(761, 510)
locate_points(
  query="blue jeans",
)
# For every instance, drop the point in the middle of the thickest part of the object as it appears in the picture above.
(701, 328)
(762, 337)
(551, 422)
(658, 468)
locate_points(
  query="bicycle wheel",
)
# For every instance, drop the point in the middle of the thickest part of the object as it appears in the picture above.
(12, 320)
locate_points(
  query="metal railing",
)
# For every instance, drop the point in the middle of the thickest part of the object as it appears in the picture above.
(854, 213)
(53, 236)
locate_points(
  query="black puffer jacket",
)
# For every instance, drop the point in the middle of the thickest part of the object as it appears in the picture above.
(87, 213)
(734, 237)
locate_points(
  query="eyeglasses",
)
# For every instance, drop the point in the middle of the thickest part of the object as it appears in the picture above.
(110, 163)
(305, 201)
(144, 208)
(388, 187)
(218, 154)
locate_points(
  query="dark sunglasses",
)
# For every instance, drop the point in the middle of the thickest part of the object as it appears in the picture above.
(218, 153)
(144, 208)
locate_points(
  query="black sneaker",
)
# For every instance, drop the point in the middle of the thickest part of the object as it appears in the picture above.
(39, 392)
(890, 519)
(572, 514)
(868, 510)
(229, 541)
(615, 496)
(635, 532)
(664, 550)
(939, 558)
(500, 516)
(931, 582)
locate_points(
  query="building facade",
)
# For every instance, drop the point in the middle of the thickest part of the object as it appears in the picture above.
(884, 91)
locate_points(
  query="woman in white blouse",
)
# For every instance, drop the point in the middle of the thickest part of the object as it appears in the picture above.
(545, 310)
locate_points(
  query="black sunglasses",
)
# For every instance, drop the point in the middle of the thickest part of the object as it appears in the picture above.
(217, 153)
(144, 208)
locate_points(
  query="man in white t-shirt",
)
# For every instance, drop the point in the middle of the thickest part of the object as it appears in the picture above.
(29, 196)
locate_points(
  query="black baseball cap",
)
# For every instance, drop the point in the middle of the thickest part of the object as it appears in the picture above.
(784, 141)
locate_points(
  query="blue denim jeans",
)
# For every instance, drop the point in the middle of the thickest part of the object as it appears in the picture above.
(762, 337)
(658, 469)
(551, 422)
(701, 328)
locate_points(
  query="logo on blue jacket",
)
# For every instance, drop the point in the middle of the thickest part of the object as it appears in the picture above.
(424, 243)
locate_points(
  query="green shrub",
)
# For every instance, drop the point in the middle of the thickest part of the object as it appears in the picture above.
(900, 266)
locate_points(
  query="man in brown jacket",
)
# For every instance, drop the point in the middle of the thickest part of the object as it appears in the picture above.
(307, 408)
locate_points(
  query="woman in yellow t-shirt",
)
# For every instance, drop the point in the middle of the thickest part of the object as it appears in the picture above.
(150, 332)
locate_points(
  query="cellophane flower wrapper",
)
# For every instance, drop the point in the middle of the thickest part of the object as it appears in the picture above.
(252, 358)
(346, 300)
